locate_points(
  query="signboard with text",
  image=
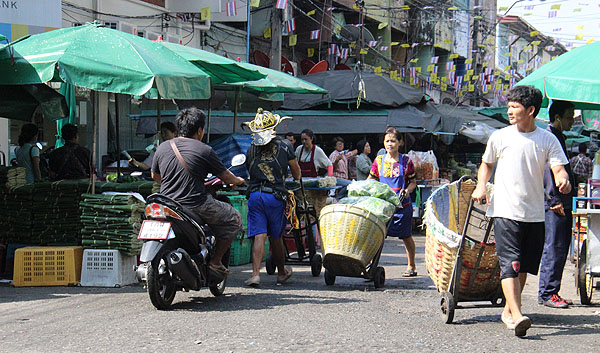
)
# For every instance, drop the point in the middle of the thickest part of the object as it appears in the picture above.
(42, 13)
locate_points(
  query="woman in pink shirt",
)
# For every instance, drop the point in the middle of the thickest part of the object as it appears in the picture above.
(340, 158)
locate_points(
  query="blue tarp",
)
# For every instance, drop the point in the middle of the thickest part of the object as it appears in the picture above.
(229, 146)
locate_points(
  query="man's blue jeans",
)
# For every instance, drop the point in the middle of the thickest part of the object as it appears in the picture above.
(556, 248)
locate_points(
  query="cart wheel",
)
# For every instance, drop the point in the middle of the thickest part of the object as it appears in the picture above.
(329, 278)
(379, 277)
(586, 281)
(499, 301)
(269, 264)
(447, 304)
(315, 265)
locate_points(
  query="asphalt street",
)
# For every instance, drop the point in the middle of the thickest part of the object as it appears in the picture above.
(303, 315)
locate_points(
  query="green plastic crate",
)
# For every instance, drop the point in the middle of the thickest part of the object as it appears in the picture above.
(240, 203)
(241, 252)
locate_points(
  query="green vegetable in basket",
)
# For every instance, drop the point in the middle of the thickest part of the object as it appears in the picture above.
(374, 189)
(380, 208)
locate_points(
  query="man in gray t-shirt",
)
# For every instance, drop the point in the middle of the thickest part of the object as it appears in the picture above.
(184, 182)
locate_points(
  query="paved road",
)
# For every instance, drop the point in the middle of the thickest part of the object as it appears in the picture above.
(303, 315)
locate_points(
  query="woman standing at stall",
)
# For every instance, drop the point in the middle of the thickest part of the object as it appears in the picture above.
(398, 171)
(311, 157)
(363, 162)
(28, 154)
(340, 158)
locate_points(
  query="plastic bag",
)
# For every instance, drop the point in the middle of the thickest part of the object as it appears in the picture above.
(426, 166)
(380, 208)
(374, 189)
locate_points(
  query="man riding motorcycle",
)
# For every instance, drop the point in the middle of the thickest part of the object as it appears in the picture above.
(180, 166)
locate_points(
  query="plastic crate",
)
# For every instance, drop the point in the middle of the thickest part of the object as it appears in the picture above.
(240, 203)
(47, 266)
(10, 257)
(107, 268)
(241, 252)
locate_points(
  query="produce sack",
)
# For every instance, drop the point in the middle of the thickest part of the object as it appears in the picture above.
(380, 208)
(374, 189)
(426, 166)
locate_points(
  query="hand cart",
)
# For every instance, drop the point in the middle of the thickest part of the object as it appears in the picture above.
(476, 271)
(587, 247)
(308, 218)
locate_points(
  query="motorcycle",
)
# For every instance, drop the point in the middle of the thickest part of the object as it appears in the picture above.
(177, 248)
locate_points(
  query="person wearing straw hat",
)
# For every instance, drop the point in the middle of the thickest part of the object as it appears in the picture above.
(267, 161)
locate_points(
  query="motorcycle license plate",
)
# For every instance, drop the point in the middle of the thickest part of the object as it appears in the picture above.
(154, 230)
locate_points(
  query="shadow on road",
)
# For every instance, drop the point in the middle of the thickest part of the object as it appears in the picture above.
(12, 294)
(255, 301)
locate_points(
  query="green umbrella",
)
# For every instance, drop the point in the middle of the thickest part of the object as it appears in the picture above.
(21, 101)
(275, 82)
(68, 91)
(218, 67)
(102, 59)
(573, 76)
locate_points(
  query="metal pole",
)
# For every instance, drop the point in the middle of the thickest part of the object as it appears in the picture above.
(325, 3)
(275, 54)
(117, 128)
(158, 114)
(94, 98)
(247, 33)
(208, 120)
(235, 109)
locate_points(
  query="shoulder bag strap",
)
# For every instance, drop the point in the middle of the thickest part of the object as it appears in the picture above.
(179, 157)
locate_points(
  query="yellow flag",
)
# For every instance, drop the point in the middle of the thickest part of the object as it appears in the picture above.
(453, 8)
(481, 45)
(293, 39)
(393, 73)
(418, 69)
(443, 87)
(255, 3)
(364, 51)
(528, 14)
(415, 60)
(430, 67)
(382, 25)
(485, 64)
(580, 27)
(337, 29)
(267, 32)
(447, 41)
(311, 52)
(555, 7)
(377, 70)
(460, 93)
(437, 45)
(352, 45)
(471, 88)
(433, 76)
(507, 77)
(508, 54)
(503, 8)
(579, 36)
(437, 80)
(534, 33)
(205, 14)
(311, 12)
(527, 47)
(590, 41)
(444, 79)
(469, 61)
(536, 42)
(470, 72)
(405, 45)
(394, 43)
(356, 7)
(520, 61)
(453, 56)
(477, 17)
(507, 68)
(467, 78)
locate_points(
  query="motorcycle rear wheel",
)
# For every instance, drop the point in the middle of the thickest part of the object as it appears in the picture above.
(161, 289)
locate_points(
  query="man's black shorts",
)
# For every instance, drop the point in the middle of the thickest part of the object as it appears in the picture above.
(519, 246)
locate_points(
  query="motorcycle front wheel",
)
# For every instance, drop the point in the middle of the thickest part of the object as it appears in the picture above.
(160, 284)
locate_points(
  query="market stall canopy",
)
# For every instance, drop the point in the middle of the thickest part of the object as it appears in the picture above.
(275, 82)
(573, 76)
(102, 59)
(218, 67)
(467, 116)
(21, 101)
(343, 87)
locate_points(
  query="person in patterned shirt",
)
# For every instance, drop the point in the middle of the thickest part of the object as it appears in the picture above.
(398, 171)
(582, 165)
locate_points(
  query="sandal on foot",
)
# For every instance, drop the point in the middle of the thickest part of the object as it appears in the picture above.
(409, 273)
(252, 281)
(521, 326)
(220, 270)
(508, 321)
(285, 276)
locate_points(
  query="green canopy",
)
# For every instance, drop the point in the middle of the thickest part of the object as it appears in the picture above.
(573, 77)
(102, 59)
(21, 101)
(218, 67)
(275, 82)
(2, 37)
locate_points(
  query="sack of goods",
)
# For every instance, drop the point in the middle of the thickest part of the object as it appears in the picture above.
(111, 222)
(426, 166)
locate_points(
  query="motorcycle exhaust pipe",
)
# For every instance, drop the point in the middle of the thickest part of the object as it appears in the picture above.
(181, 264)
(141, 272)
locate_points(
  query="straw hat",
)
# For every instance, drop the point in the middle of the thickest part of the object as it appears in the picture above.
(263, 126)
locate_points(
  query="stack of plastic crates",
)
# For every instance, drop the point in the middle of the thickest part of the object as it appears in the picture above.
(47, 266)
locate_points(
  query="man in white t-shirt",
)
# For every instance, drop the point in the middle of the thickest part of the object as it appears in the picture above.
(520, 152)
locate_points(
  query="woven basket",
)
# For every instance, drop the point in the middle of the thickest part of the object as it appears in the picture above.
(351, 232)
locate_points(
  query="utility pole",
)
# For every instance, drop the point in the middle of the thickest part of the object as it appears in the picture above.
(276, 23)
(475, 50)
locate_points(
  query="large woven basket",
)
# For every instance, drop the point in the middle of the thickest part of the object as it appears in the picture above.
(350, 232)
(440, 255)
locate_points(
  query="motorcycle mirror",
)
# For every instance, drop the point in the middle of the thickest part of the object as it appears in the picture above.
(136, 174)
(238, 160)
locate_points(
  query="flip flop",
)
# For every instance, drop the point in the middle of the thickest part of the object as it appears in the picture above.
(286, 276)
(252, 281)
(220, 270)
(409, 273)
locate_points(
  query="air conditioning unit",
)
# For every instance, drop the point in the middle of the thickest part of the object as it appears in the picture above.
(173, 39)
(152, 35)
